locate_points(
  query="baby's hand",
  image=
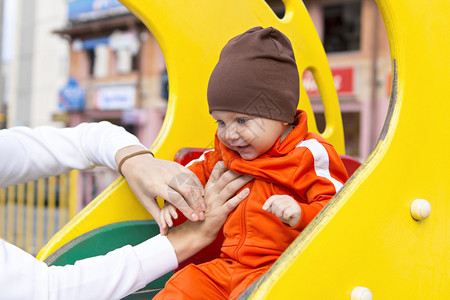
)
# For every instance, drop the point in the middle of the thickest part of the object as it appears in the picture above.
(285, 208)
(167, 213)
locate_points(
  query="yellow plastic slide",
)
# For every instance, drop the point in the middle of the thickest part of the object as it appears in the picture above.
(377, 237)
(191, 35)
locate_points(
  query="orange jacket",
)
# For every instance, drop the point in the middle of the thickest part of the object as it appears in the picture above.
(304, 166)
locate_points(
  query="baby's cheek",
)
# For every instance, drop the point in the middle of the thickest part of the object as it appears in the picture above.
(220, 135)
(248, 135)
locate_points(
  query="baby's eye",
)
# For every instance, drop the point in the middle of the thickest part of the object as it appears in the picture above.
(241, 121)
(220, 123)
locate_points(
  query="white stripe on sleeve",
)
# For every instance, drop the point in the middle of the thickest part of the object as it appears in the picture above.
(321, 161)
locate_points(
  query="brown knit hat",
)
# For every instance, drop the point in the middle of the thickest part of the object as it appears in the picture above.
(256, 75)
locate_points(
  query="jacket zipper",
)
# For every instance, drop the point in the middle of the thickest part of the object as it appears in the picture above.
(244, 227)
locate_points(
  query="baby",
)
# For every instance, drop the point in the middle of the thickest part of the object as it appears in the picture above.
(253, 93)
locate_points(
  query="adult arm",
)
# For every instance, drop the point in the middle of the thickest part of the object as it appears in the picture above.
(28, 154)
(112, 276)
(127, 269)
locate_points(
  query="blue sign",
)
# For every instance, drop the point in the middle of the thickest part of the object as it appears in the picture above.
(85, 10)
(72, 96)
(90, 44)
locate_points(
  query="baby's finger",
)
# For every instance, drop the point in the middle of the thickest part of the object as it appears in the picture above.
(288, 213)
(163, 229)
(268, 204)
(173, 212)
(167, 217)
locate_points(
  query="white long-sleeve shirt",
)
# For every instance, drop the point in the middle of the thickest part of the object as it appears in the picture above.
(27, 154)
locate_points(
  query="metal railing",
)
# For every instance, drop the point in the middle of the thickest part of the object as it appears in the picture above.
(32, 212)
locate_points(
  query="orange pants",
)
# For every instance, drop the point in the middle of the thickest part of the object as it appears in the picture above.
(217, 279)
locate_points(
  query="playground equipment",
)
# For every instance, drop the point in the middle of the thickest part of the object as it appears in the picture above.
(372, 239)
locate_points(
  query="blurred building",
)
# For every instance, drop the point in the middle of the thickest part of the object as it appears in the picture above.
(33, 60)
(357, 47)
(116, 69)
(70, 61)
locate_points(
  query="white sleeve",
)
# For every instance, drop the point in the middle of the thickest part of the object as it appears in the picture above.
(28, 154)
(112, 276)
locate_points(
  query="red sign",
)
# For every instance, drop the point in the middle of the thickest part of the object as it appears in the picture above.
(342, 77)
(388, 84)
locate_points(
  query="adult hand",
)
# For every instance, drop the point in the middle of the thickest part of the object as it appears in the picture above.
(149, 177)
(219, 190)
(189, 237)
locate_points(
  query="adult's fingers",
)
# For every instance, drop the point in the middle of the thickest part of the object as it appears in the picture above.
(233, 185)
(225, 182)
(187, 185)
(216, 174)
(219, 169)
(179, 202)
(231, 204)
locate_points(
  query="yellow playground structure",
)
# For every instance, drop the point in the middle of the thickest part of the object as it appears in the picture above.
(385, 235)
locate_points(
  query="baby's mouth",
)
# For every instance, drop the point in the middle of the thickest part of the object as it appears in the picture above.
(240, 148)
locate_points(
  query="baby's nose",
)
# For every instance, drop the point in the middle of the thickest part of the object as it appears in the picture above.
(231, 133)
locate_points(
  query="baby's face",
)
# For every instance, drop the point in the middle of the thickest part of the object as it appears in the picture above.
(248, 135)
